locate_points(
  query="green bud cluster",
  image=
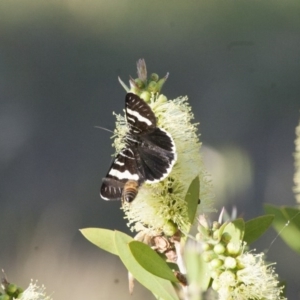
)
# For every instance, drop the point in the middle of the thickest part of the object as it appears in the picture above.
(144, 86)
(148, 86)
(10, 291)
(221, 252)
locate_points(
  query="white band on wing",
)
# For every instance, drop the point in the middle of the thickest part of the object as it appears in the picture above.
(123, 175)
(138, 116)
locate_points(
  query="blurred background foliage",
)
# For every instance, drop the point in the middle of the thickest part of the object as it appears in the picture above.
(238, 61)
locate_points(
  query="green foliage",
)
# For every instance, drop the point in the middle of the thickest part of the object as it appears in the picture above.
(158, 286)
(151, 269)
(287, 224)
(103, 238)
(151, 261)
(192, 198)
(256, 227)
(137, 258)
(236, 230)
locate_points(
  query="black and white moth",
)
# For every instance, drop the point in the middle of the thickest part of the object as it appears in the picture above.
(148, 156)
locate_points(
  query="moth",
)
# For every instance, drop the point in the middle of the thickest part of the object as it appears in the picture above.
(148, 156)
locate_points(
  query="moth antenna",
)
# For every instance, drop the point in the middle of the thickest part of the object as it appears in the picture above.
(103, 128)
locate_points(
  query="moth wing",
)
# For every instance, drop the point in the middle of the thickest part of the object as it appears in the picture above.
(157, 155)
(140, 117)
(111, 189)
(123, 168)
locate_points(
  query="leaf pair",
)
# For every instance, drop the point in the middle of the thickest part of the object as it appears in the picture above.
(141, 261)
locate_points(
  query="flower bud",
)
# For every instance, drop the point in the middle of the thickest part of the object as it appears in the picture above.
(152, 87)
(170, 228)
(215, 285)
(216, 263)
(139, 83)
(215, 273)
(216, 225)
(233, 248)
(18, 293)
(226, 237)
(208, 256)
(216, 234)
(219, 248)
(162, 98)
(154, 77)
(228, 277)
(230, 262)
(239, 264)
(206, 246)
(11, 289)
(145, 96)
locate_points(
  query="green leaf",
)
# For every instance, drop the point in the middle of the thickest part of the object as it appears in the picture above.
(287, 224)
(160, 287)
(221, 229)
(280, 218)
(151, 261)
(192, 199)
(293, 215)
(236, 230)
(240, 227)
(103, 238)
(256, 227)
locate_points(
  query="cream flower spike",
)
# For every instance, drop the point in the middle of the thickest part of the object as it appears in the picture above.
(35, 292)
(161, 207)
(296, 188)
(257, 280)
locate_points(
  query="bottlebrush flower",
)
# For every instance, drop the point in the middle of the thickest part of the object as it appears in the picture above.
(161, 207)
(35, 292)
(297, 165)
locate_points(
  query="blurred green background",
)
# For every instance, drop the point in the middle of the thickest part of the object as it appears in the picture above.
(239, 63)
